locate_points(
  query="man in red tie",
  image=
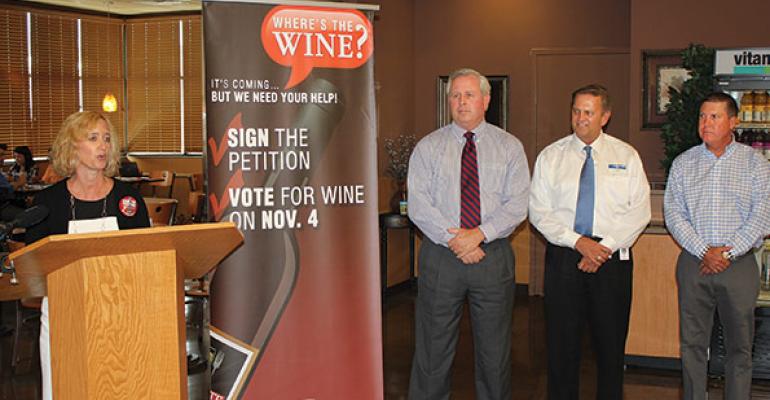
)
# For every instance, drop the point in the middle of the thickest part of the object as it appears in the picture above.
(468, 187)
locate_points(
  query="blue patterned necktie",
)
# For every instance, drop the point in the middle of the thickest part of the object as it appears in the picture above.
(584, 212)
(470, 201)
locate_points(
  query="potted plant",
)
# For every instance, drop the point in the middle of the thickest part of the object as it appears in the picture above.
(680, 132)
(399, 150)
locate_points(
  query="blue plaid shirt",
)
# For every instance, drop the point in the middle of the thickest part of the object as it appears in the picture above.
(715, 201)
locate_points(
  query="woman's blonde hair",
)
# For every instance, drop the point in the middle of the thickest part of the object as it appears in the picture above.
(74, 129)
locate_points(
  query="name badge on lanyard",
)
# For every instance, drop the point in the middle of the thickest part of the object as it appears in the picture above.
(103, 224)
(92, 225)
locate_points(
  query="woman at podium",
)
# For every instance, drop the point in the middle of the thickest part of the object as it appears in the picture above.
(87, 200)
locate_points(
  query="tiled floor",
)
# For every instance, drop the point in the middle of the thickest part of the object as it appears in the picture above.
(528, 358)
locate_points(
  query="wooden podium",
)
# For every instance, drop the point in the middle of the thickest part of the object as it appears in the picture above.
(116, 305)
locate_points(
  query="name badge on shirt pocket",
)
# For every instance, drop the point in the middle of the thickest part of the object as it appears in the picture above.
(617, 170)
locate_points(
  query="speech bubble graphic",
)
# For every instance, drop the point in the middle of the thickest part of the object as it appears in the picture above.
(304, 38)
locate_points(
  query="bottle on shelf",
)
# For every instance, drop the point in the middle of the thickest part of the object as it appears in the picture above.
(766, 143)
(746, 113)
(758, 141)
(760, 106)
(739, 135)
(764, 278)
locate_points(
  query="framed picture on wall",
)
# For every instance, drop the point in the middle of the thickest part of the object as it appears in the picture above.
(662, 70)
(496, 114)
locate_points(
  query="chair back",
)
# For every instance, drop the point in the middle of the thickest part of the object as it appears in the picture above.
(167, 181)
(197, 183)
(196, 203)
(161, 211)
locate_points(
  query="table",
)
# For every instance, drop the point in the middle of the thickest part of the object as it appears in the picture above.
(32, 188)
(394, 221)
(23, 195)
(137, 179)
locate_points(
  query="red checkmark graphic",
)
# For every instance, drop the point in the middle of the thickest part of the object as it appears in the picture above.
(218, 153)
(218, 206)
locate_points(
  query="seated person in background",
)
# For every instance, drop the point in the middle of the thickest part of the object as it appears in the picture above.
(85, 153)
(128, 168)
(50, 176)
(8, 211)
(24, 170)
(3, 154)
(6, 190)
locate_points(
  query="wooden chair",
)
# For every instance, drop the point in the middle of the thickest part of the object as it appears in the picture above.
(161, 211)
(196, 205)
(196, 184)
(166, 182)
(27, 316)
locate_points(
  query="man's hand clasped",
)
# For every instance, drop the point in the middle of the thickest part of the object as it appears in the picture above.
(465, 244)
(714, 261)
(594, 254)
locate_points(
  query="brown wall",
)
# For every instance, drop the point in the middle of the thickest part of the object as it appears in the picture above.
(495, 37)
(394, 33)
(417, 41)
(739, 23)
(394, 79)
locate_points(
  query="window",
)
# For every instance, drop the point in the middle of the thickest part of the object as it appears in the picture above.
(53, 76)
(55, 63)
(164, 85)
(15, 119)
(102, 67)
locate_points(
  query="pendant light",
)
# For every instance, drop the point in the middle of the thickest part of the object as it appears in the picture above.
(109, 103)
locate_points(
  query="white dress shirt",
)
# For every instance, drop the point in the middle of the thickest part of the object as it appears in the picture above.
(622, 197)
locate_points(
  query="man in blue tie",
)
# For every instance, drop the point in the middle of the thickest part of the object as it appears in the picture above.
(468, 187)
(591, 200)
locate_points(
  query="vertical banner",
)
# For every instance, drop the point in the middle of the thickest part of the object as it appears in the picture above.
(291, 143)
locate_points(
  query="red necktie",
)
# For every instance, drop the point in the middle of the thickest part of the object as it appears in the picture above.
(470, 201)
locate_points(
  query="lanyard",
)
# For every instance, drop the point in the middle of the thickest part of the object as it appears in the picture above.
(72, 207)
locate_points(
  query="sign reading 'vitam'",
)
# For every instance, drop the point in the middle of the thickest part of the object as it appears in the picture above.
(755, 61)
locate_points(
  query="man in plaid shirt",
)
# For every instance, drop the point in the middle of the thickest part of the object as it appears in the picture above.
(717, 208)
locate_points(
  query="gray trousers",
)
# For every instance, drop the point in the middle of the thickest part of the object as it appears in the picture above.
(444, 284)
(734, 294)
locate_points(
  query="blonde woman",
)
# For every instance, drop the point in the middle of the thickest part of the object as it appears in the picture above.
(86, 153)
